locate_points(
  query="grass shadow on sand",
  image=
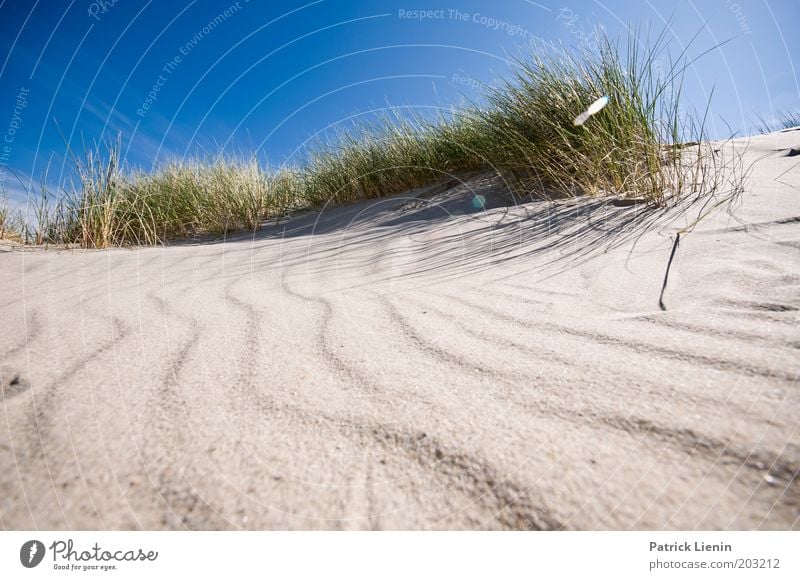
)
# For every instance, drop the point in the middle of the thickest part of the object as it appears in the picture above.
(476, 224)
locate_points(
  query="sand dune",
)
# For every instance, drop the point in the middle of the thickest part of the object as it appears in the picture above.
(416, 362)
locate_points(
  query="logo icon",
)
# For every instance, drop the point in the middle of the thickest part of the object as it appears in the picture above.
(31, 553)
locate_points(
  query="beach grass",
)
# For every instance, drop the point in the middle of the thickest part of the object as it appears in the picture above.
(644, 144)
(783, 120)
(12, 224)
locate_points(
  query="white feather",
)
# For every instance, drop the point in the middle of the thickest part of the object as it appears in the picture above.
(581, 119)
(594, 108)
(597, 106)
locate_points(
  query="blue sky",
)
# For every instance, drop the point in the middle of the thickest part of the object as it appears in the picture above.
(204, 77)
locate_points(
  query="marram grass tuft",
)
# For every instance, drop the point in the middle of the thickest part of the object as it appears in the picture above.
(642, 144)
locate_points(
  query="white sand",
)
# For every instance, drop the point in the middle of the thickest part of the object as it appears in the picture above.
(397, 367)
